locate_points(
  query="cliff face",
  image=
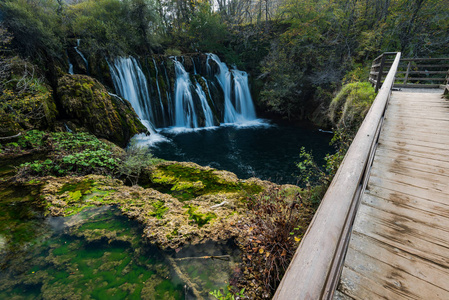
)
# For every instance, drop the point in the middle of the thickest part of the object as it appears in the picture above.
(86, 105)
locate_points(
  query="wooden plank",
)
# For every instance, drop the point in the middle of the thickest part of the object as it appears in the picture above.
(361, 287)
(417, 179)
(396, 270)
(418, 136)
(409, 227)
(420, 59)
(436, 151)
(400, 242)
(427, 165)
(422, 72)
(416, 126)
(424, 79)
(432, 66)
(410, 212)
(415, 85)
(408, 189)
(395, 280)
(391, 231)
(408, 201)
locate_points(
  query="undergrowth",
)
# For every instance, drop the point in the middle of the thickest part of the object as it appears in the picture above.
(78, 154)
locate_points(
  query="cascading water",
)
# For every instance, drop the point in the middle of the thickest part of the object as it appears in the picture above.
(224, 78)
(81, 54)
(244, 107)
(131, 84)
(208, 115)
(243, 101)
(190, 103)
(185, 115)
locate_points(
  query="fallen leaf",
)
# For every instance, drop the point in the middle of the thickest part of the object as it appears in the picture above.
(297, 239)
(261, 250)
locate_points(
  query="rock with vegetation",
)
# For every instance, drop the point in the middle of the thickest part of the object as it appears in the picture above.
(87, 104)
(26, 101)
(181, 203)
(348, 109)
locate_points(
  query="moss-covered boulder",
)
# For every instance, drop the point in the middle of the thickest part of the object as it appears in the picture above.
(26, 100)
(86, 102)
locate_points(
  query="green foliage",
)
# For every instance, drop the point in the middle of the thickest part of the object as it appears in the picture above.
(206, 30)
(348, 109)
(25, 100)
(135, 160)
(36, 26)
(220, 295)
(68, 154)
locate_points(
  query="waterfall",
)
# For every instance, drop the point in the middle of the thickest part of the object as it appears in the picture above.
(81, 54)
(243, 109)
(190, 102)
(185, 115)
(131, 84)
(243, 101)
(208, 115)
(224, 78)
(71, 69)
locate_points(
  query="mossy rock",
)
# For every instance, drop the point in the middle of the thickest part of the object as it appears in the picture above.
(8, 126)
(86, 102)
(185, 181)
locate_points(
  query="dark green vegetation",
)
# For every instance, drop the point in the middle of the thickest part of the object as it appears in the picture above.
(76, 154)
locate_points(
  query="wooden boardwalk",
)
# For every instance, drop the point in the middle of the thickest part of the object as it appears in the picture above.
(399, 246)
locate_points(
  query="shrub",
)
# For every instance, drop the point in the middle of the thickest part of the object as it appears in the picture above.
(348, 109)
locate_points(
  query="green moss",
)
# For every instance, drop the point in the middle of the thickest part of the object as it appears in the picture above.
(348, 109)
(83, 187)
(159, 209)
(199, 218)
(186, 183)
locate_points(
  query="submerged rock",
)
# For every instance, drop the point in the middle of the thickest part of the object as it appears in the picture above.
(87, 104)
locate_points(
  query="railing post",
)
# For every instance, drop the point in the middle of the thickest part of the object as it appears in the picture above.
(406, 73)
(379, 76)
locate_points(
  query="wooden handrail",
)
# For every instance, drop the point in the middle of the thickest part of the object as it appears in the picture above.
(316, 265)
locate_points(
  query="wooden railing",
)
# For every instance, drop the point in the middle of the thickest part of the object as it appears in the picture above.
(412, 72)
(316, 266)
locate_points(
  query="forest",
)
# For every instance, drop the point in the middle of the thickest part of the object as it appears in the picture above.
(81, 79)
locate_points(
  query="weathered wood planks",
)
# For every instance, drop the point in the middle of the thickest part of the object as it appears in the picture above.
(399, 248)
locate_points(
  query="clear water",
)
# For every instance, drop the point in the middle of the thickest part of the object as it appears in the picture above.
(266, 152)
(96, 254)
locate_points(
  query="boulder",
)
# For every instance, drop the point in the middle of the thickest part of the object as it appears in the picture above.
(86, 103)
